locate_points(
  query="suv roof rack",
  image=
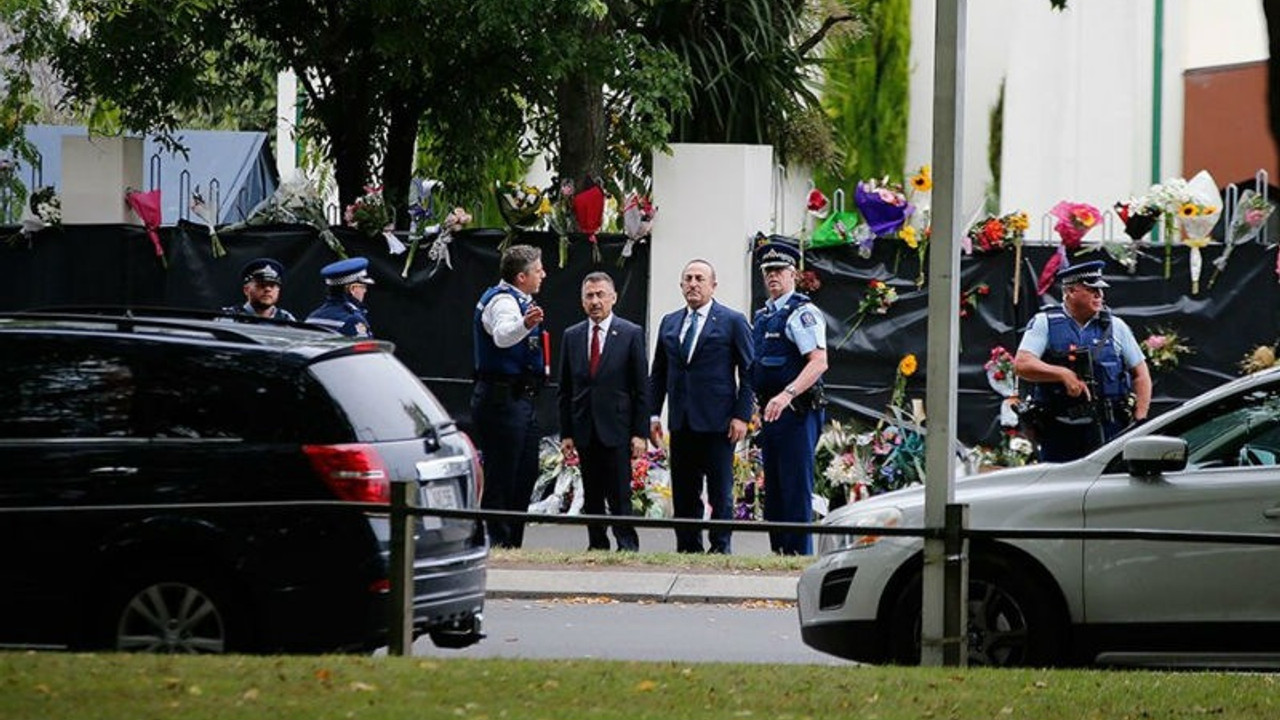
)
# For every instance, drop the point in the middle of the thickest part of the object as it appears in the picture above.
(127, 319)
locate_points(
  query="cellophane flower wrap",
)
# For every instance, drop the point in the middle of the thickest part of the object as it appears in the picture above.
(883, 206)
(1073, 221)
(1251, 214)
(638, 213)
(520, 205)
(371, 215)
(588, 211)
(558, 488)
(146, 205)
(651, 485)
(294, 201)
(201, 209)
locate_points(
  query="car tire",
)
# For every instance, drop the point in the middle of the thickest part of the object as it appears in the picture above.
(1013, 622)
(173, 614)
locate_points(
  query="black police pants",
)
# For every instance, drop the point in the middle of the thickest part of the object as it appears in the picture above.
(507, 434)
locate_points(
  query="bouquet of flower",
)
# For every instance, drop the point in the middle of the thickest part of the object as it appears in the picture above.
(443, 232)
(146, 205)
(883, 205)
(1014, 450)
(917, 227)
(969, 299)
(637, 223)
(816, 204)
(520, 205)
(558, 489)
(1251, 213)
(1163, 348)
(809, 282)
(1074, 221)
(748, 484)
(843, 463)
(1191, 209)
(294, 201)
(201, 209)
(651, 485)
(1000, 374)
(880, 296)
(1139, 216)
(997, 233)
(588, 211)
(371, 215)
(1262, 357)
(45, 210)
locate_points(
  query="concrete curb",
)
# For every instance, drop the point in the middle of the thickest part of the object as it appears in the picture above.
(632, 586)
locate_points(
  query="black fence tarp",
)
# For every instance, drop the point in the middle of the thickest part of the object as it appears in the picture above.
(428, 315)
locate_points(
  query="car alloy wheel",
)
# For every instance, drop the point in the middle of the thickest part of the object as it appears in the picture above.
(171, 617)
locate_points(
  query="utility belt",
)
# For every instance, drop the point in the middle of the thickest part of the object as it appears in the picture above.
(513, 387)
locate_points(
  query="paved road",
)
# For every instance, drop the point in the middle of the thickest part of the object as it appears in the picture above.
(596, 629)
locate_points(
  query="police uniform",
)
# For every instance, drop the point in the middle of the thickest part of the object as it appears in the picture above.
(785, 331)
(1101, 352)
(504, 409)
(262, 270)
(340, 310)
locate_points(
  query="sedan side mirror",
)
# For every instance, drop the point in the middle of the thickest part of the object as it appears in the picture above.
(1152, 455)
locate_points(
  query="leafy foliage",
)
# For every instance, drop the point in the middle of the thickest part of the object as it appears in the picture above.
(866, 96)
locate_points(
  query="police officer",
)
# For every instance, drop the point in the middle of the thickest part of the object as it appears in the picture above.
(261, 280)
(790, 340)
(1083, 363)
(510, 371)
(343, 309)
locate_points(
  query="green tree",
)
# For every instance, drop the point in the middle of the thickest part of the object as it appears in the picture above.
(867, 96)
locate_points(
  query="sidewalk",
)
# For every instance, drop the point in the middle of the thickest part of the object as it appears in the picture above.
(640, 584)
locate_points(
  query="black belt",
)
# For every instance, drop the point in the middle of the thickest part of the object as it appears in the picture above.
(515, 384)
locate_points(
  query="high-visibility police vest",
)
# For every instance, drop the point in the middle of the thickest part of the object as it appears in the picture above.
(778, 360)
(1067, 339)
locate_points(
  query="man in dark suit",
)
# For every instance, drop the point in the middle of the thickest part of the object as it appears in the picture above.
(702, 364)
(603, 407)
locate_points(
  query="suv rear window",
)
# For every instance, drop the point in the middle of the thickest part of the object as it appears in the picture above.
(381, 398)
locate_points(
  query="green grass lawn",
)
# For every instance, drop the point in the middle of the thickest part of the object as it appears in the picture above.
(135, 687)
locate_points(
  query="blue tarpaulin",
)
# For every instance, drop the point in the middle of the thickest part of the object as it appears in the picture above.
(233, 170)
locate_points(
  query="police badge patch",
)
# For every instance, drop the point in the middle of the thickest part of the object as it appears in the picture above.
(807, 319)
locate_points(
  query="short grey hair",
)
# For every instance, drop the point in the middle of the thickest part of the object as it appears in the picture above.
(517, 259)
(599, 276)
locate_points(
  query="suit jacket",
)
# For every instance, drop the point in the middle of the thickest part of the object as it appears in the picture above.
(712, 387)
(614, 403)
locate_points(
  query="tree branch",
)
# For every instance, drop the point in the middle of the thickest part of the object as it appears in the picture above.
(817, 37)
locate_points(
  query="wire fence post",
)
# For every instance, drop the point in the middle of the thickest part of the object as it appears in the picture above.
(955, 620)
(400, 604)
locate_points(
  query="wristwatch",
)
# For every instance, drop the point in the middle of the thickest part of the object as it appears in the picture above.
(790, 390)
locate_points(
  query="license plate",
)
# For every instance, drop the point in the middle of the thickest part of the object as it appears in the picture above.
(443, 497)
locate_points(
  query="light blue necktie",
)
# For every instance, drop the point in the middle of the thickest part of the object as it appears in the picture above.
(686, 344)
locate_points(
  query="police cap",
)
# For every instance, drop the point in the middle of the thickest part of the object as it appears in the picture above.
(346, 272)
(776, 251)
(1088, 274)
(263, 270)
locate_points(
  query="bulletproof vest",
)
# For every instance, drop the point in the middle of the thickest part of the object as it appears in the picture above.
(1068, 345)
(778, 360)
(523, 358)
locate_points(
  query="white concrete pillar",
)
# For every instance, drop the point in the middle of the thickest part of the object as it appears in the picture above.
(96, 172)
(711, 200)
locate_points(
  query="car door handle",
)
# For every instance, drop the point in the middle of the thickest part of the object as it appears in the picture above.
(1272, 512)
(109, 470)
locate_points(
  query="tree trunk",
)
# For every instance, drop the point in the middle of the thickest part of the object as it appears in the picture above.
(580, 103)
(397, 166)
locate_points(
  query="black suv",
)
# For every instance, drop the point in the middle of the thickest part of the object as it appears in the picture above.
(167, 483)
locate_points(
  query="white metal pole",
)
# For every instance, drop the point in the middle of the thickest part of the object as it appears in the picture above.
(937, 647)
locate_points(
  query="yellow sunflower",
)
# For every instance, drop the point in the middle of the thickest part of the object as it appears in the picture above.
(1189, 210)
(907, 365)
(923, 180)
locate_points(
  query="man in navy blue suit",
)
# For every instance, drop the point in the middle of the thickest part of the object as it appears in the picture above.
(702, 364)
(603, 407)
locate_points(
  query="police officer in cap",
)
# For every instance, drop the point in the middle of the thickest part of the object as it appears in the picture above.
(1083, 363)
(343, 309)
(262, 279)
(790, 339)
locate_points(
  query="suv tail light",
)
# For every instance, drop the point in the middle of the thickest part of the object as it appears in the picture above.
(477, 471)
(354, 472)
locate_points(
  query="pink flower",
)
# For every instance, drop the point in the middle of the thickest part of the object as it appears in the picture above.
(1254, 217)
(1156, 342)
